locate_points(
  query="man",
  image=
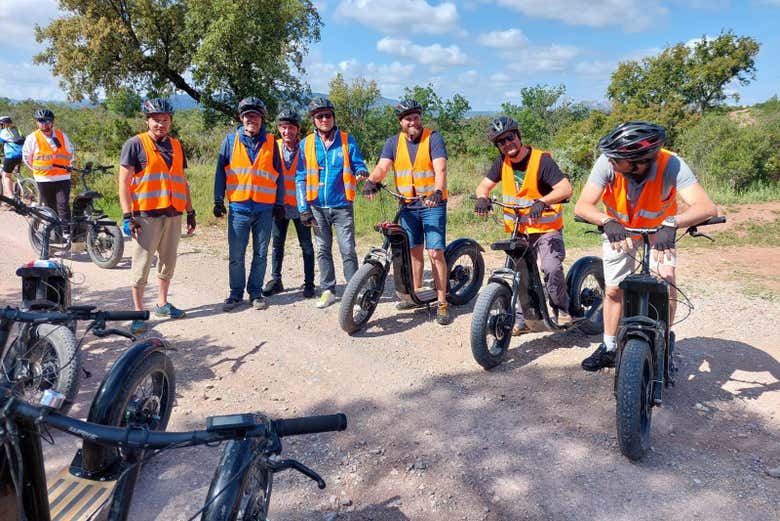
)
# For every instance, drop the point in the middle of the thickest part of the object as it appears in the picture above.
(289, 124)
(418, 157)
(639, 182)
(529, 175)
(49, 154)
(154, 192)
(329, 167)
(249, 173)
(12, 142)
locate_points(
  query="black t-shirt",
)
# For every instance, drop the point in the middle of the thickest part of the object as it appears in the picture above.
(549, 173)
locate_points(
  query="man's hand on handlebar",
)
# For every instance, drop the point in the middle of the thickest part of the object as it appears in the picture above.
(536, 210)
(435, 199)
(617, 235)
(664, 241)
(483, 206)
(370, 189)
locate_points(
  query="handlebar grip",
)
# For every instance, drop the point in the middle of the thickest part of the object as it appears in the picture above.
(718, 219)
(126, 315)
(578, 219)
(310, 425)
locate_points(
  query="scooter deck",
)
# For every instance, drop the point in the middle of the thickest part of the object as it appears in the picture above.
(72, 498)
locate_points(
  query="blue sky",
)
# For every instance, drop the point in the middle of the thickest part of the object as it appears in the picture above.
(486, 50)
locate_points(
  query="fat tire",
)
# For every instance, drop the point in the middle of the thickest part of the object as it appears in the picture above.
(470, 290)
(352, 297)
(490, 294)
(29, 191)
(634, 400)
(595, 324)
(117, 245)
(35, 231)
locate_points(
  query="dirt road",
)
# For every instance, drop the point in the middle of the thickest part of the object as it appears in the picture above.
(431, 435)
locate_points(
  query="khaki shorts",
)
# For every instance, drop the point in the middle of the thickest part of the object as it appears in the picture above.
(620, 264)
(158, 235)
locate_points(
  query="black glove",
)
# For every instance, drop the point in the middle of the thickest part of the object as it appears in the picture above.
(219, 209)
(614, 231)
(370, 187)
(435, 198)
(307, 218)
(279, 213)
(191, 220)
(483, 206)
(536, 209)
(665, 237)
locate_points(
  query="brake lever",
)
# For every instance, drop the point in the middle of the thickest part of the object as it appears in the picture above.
(694, 232)
(277, 466)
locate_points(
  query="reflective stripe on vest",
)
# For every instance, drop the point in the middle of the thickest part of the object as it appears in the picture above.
(158, 186)
(420, 178)
(46, 161)
(289, 176)
(313, 168)
(649, 210)
(551, 218)
(247, 180)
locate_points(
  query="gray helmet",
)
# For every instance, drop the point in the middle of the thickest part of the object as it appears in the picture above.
(633, 141)
(407, 106)
(44, 114)
(289, 116)
(5, 119)
(317, 104)
(501, 125)
(252, 104)
(157, 106)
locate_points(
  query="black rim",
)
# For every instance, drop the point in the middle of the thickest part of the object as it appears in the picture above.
(103, 243)
(367, 299)
(148, 401)
(499, 325)
(461, 276)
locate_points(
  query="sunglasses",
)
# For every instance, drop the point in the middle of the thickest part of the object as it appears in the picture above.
(44, 120)
(504, 140)
(323, 115)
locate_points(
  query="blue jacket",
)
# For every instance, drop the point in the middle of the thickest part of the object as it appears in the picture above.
(8, 136)
(252, 144)
(331, 193)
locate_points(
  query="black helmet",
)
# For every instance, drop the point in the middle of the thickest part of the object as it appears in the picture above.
(157, 106)
(5, 119)
(289, 116)
(44, 114)
(407, 106)
(252, 104)
(501, 125)
(317, 104)
(633, 141)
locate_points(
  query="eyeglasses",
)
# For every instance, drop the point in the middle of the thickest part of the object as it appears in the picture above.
(323, 115)
(504, 140)
(44, 120)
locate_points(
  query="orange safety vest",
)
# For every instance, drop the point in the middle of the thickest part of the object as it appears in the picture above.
(417, 179)
(251, 181)
(46, 161)
(158, 186)
(313, 169)
(650, 210)
(289, 176)
(551, 218)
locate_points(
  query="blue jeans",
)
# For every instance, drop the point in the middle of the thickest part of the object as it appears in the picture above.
(342, 220)
(425, 226)
(240, 226)
(279, 235)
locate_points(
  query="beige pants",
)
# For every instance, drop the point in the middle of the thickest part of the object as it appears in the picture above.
(158, 235)
(620, 264)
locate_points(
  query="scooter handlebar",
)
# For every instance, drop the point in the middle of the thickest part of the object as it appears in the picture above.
(310, 425)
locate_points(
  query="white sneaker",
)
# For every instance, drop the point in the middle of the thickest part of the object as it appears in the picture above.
(326, 299)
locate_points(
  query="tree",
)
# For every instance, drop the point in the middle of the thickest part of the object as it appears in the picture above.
(448, 115)
(124, 101)
(695, 75)
(217, 51)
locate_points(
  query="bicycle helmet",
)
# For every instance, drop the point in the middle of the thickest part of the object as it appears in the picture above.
(44, 114)
(252, 104)
(5, 119)
(289, 116)
(157, 106)
(633, 141)
(318, 104)
(501, 125)
(407, 106)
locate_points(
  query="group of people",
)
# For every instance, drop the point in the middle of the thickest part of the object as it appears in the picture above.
(313, 181)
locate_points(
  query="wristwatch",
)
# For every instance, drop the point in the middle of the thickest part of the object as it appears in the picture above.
(670, 221)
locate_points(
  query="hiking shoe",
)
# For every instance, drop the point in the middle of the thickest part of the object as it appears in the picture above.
(137, 327)
(405, 304)
(600, 359)
(518, 330)
(169, 311)
(259, 303)
(326, 299)
(231, 303)
(564, 319)
(443, 316)
(308, 290)
(272, 287)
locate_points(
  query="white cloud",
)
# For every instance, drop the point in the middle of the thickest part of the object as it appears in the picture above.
(500, 78)
(595, 69)
(391, 78)
(434, 55)
(628, 15)
(401, 16)
(503, 39)
(29, 81)
(552, 58)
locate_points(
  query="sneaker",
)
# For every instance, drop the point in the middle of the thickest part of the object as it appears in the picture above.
(564, 319)
(308, 290)
(259, 303)
(231, 303)
(600, 359)
(403, 305)
(518, 330)
(326, 299)
(137, 327)
(272, 287)
(443, 316)
(169, 311)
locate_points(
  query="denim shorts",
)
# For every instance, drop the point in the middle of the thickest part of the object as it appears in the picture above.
(429, 224)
